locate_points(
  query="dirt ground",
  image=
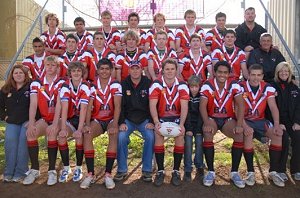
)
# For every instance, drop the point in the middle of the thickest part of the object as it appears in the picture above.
(133, 186)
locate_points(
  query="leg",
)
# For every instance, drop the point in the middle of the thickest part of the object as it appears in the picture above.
(12, 133)
(148, 137)
(295, 159)
(198, 160)
(188, 152)
(274, 150)
(111, 152)
(22, 158)
(52, 145)
(208, 145)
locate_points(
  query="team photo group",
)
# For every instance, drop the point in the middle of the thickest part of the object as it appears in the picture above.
(185, 84)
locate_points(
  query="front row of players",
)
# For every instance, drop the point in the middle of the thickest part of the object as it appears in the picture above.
(73, 107)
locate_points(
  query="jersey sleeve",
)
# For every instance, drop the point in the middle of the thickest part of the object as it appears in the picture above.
(155, 90)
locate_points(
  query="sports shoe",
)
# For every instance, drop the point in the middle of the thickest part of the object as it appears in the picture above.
(250, 179)
(31, 175)
(17, 179)
(159, 178)
(209, 179)
(147, 176)
(283, 176)
(278, 181)
(237, 180)
(297, 176)
(109, 182)
(52, 177)
(77, 175)
(200, 172)
(120, 176)
(7, 179)
(187, 177)
(176, 179)
(64, 174)
(88, 181)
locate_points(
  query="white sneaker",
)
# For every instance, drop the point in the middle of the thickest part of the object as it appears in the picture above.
(283, 176)
(297, 176)
(237, 180)
(109, 182)
(209, 179)
(278, 181)
(52, 177)
(31, 175)
(77, 175)
(64, 174)
(250, 179)
(88, 180)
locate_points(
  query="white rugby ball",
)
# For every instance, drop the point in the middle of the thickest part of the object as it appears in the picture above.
(169, 129)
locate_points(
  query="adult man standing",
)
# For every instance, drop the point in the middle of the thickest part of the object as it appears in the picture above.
(248, 33)
(267, 56)
(135, 115)
(85, 38)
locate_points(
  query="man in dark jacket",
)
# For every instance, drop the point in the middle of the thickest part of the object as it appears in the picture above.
(267, 56)
(135, 115)
(248, 33)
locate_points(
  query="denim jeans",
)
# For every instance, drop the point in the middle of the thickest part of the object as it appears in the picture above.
(16, 152)
(123, 141)
(188, 152)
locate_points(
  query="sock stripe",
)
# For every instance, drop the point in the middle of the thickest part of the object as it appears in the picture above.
(111, 154)
(179, 149)
(79, 147)
(159, 149)
(275, 147)
(250, 150)
(208, 144)
(89, 154)
(63, 147)
(238, 145)
(52, 144)
(32, 143)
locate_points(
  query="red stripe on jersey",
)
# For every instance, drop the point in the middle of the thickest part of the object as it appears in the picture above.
(85, 41)
(57, 41)
(150, 37)
(112, 37)
(184, 35)
(64, 62)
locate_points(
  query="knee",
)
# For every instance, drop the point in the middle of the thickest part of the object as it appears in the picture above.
(149, 136)
(208, 135)
(239, 137)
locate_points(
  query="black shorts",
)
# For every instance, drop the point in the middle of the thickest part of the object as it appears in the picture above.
(170, 119)
(220, 122)
(260, 128)
(103, 124)
(73, 123)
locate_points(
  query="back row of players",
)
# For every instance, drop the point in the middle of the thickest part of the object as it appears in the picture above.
(90, 108)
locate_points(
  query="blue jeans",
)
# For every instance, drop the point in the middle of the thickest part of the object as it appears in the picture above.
(188, 152)
(123, 141)
(16, 152)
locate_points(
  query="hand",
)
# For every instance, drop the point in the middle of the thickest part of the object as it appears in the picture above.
(248, 130)
(282, 127)
(77, 134)
(296, 127)
(86, 129)
(114, 129)
(52, 129)
(31, 130)
(189, 133)
(179, 50)
(207, 128)
(182, 129)
(123, 127)
(157, 127)
(238, 130)
(149, 126)
(63, 133)
(277, 130)
(248, 48)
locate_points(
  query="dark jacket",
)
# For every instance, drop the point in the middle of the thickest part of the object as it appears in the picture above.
(245, 37)
(135, 101)
(15, 105)
(288, 102)
(269, 61)
(194, 120)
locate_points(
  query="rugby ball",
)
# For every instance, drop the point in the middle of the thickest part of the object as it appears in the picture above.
(169, 129)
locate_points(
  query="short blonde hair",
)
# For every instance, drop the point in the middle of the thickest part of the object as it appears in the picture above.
(189, 12)
(279, 67)
(52, 58)
(131, 34)
(159, 15)
(52, 15)
(161, 32)
(106, 13)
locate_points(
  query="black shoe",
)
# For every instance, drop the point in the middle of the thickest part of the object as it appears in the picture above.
(147, 176)
(120, 176)
(200, 172)
(176, 180)
(187, 176)
(159, 178)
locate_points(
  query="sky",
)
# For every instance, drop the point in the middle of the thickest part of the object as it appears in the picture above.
(232, 8)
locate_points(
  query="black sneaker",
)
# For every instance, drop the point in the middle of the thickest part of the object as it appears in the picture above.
(159, 178)
(200, 172)
(176, 180)
(120, 176)
(147, 176)
(187, 176)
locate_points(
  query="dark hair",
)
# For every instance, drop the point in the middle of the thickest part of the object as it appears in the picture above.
(229, 32)
(169, 61)
(72, 36)
(79, 19)
(10, 83)
(98, 33)
(220, 14)
(134, 14)
(222, 63)
(37, 40)
(75, 65)
(104, 61)
(255, 67)
(195, 35)
(250, 9)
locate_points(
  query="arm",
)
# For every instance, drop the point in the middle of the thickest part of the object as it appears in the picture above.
(151, 69)
(239, 103)
(153, 112)
(183, 114)
(245, 72)
(275, 114)
(58, 52)
(118, 74)
(117, 111)
(87, 128)
(3, 114)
